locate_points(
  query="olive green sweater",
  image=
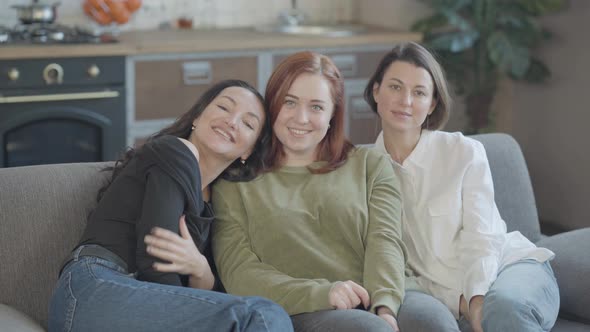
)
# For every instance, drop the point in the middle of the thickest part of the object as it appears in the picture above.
(291, 235)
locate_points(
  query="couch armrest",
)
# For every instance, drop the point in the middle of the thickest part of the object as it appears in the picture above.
(14, 320)
(572, 270)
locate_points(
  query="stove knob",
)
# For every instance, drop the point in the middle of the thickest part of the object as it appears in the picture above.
(13, 74)
(53, 74)
(93, 71)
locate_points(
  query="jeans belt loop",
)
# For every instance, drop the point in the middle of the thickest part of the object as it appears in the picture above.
(94, 251)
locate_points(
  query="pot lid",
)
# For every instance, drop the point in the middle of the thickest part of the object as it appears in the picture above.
(36, 4)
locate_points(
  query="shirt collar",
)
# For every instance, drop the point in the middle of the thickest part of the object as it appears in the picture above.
(417, 157)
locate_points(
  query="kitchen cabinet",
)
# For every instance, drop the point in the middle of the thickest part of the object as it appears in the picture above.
(165, 86)
(353, 64)
(362, 124)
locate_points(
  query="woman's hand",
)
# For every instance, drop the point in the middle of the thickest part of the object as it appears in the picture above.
(475, 313)
(348, 295)
(386, 314)
(181, 252)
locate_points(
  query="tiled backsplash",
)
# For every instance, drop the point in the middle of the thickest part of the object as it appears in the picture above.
(204, 13)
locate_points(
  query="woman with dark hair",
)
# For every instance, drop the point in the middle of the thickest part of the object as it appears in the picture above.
(317, 232)
(112, 282)
(463, 263)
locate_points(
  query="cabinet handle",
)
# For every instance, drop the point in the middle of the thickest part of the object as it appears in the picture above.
(346, 63)
(195, 73)
(59, 97)
(360, 109)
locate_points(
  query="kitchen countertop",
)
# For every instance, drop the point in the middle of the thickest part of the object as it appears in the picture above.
(201, 40)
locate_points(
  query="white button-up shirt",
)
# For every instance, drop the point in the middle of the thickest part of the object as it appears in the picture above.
(456, 240)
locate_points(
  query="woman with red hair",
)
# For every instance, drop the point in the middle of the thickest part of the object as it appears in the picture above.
(317, 232)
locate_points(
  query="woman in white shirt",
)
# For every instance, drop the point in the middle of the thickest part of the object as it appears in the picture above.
(464, 267)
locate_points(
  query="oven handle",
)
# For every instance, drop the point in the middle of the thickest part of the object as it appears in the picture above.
(59, 97)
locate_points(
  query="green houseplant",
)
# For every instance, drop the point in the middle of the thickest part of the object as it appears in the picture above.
(479, 41)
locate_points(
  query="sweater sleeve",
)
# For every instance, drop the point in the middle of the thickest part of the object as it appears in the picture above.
(243, 273)
(163, 204)
(482, 234)
(385, 255)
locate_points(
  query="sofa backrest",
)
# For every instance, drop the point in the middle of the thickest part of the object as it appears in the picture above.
(43, 211)
(512, 184)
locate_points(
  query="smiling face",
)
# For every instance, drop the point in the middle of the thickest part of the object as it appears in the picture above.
(405, 97)
(304, 118)
(230, 125)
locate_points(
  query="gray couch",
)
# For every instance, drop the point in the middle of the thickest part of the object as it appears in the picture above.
(43, 209)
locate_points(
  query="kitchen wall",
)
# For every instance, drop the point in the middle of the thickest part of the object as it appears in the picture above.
(205, 13)
(394, 14)
(551, 121)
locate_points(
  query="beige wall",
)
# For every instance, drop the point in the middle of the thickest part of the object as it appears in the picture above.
(551, 121)
(395, 14)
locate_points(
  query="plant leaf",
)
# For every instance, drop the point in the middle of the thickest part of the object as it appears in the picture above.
(454, 19)
(460, 4)
(538, 71)
(529, 35)
(453, 41)
(448, 4)
(510, 58)
(521, 61)
(457, 67)
(429, 23)
(541, 7)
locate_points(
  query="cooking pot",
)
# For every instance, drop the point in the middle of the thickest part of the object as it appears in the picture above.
(37, 12)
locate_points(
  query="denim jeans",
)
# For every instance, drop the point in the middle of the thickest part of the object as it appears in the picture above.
(524, 297)
(351, 320)
(94, 294)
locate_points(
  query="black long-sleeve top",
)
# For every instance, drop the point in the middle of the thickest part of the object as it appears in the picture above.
(159, 184)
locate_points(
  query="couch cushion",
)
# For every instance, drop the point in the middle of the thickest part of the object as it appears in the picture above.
(43, 213)
(16, 321)
(564, 325)
(572, 269)
(512, 184)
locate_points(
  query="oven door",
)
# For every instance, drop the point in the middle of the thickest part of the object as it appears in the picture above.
(69, 125)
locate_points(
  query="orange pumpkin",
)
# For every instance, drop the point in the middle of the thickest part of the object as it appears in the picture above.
(118, 11)
(133, 5)
(108, 11)
(98, 14)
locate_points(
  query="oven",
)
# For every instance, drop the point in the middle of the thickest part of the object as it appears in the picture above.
(62, 110)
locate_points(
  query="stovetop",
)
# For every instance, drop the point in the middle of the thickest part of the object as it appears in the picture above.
(37, 33)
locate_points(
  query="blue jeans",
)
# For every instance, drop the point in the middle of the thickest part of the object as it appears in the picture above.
(94, 294)
(524, 297)
(350, 320)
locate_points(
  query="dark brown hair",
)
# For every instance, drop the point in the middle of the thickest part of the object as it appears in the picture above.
(334, 147)
(182, 128)
(419, 56)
